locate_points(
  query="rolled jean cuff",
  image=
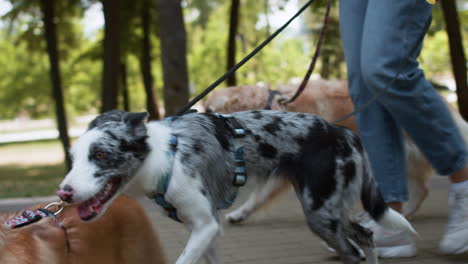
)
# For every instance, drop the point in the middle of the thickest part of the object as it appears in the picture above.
(394, 198)
(459, 164)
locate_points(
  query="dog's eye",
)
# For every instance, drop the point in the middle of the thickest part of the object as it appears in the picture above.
(100, 155)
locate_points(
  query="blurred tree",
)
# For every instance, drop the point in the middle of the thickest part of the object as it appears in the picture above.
(201, 10)
(145, 61)
(231, 45)
(173, 55)
(124, 87)
(457, 54)
(331, 54)
(42, 17)
(129, 29)
(111, 54)
(51, 39)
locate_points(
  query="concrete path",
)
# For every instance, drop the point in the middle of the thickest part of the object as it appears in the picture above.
(280, 236)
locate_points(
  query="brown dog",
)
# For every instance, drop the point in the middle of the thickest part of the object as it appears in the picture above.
(122, 235)
(329, 99)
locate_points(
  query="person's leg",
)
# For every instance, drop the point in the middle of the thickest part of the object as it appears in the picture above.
(414, 103)
(380, 134)
(388, 38)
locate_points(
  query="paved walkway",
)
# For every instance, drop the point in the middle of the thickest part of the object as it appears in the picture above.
(280, 236)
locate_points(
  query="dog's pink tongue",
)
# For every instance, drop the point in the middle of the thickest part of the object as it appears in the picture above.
(89, 209)
(83, 212)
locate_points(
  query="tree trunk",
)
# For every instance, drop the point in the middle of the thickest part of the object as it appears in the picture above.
(111, 55)
(266, 6)
(233, 27)
(457, 54)
(325, 69)
(173, 54)
(124, 87)
(52, 50)
(145, 63)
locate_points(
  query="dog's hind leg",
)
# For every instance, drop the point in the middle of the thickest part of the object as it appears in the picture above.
(419, 174)
(328, 222)
(418, 189)
(259, 198)
(333, 232)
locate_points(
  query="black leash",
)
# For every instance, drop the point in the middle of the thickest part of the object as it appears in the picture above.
(377, 95)
(242, 62)
(314, 59)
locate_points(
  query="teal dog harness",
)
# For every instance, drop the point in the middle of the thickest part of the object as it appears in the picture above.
(240, 174)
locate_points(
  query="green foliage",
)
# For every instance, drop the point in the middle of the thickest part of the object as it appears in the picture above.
(435, 56)
(25, 24)
(282, 60)
(24, 69)
(24, 82)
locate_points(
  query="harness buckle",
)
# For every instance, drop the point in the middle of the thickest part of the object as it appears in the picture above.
(239, 180)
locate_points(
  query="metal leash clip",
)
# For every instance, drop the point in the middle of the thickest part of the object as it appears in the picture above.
(60, 205)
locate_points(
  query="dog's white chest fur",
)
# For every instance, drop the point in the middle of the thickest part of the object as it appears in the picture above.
(157, 162)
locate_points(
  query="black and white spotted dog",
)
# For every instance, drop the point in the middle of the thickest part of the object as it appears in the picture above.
(193, 156)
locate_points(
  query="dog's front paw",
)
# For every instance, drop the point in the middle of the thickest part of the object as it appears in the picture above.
(235, 217)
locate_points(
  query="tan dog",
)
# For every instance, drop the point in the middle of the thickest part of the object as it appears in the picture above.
(123, 235)
(329, 99)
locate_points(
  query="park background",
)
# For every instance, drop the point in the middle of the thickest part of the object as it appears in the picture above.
(63, 62)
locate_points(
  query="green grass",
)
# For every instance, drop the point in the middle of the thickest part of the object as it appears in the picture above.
(25, 146)
(29, 181)
(23, 179)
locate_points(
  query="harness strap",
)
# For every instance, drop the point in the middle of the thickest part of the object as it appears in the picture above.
(163, 184)
(170, 209)
(240, 173)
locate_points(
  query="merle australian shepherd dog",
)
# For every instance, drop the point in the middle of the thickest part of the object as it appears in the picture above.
(194, 157)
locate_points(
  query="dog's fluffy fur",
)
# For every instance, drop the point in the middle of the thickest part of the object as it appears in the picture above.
(329, 99)
(325, 163)
(123, 235)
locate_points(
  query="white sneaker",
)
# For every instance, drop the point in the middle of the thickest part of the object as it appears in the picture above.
(455, 239)
(388, 243)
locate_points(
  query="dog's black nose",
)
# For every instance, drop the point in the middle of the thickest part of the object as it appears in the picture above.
(66, 193)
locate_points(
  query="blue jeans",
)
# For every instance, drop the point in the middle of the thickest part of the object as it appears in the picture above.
(377, 37)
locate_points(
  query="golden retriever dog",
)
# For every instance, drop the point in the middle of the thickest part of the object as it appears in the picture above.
(329, 99)
(123, 235)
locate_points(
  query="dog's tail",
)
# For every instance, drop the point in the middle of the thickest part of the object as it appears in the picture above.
(374, 204)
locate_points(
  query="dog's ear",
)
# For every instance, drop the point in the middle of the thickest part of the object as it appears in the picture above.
(110, 116)
(136, 123)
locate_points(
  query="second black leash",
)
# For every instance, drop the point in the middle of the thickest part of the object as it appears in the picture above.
(314, 59)
(242, 62)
